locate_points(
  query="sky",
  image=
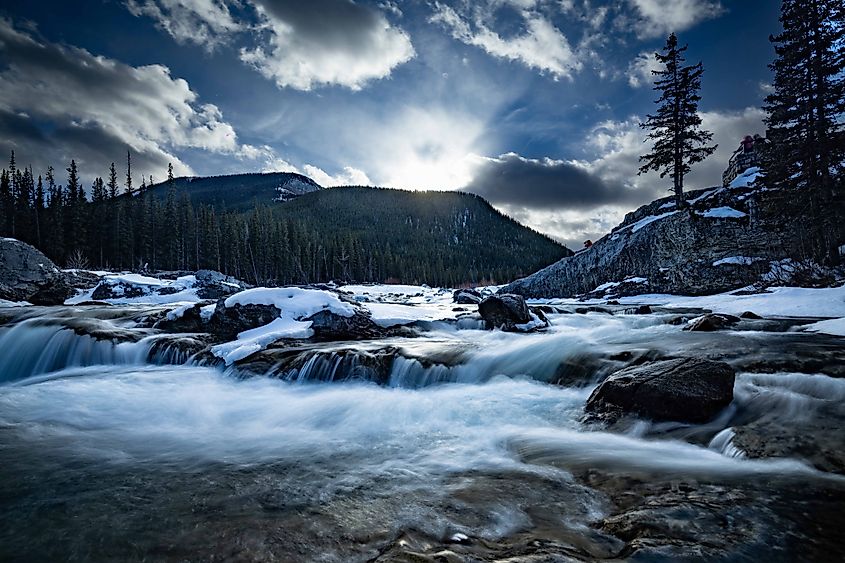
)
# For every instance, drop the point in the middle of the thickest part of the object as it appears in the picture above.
(533, 104)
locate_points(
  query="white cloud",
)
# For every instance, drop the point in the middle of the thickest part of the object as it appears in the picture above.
(101, 107)
(640, 70)
(617, 146)
(204, 22)
(349, 176)
(661, 17)
(540, 45)
(301, 45)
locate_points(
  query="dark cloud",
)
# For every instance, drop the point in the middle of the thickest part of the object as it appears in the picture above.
(93, 149)
(543, 184)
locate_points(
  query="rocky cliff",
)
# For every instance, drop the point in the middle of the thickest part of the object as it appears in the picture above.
(726, 239)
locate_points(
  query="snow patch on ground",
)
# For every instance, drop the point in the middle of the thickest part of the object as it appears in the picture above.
(747, 178)
(836, 327)
(778, 302)
(156, 291)
(646, 221)
(741, 260)
(395, 314)
(722, 213)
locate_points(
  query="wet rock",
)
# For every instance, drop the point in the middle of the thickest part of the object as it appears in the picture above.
(118, 288)
(712, 322)
(504, 312)
(27, 275)
(641, 310)
(593, 309)
(467, 297)
(684, 389)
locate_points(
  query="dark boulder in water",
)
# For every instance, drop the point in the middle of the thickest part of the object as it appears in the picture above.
(683, 389)
(504, 312)
(211, 284)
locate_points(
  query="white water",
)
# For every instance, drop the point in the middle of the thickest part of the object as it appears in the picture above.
(191, 415)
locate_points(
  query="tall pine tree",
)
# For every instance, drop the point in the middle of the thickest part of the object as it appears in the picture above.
(806, 130)
(679, 140)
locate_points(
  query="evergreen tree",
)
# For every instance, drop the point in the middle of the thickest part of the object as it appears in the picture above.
(679, 140)
(806, 131)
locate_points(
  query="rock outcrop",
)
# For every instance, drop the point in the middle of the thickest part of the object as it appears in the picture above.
(726, 239)
(684, 390)
(27, 275)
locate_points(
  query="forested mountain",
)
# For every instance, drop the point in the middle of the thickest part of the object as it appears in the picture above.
(241, 226)
(239, 192)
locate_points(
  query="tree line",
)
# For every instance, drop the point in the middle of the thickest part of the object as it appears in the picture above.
(345, 234)
(805, 116)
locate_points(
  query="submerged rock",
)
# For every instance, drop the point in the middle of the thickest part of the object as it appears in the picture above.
(683, 389)
(504, 312)
(27, 275)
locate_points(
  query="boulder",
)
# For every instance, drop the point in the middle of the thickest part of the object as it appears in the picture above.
(504, 312)
(711, 322)
(228, 322)
(683, 389)
(184, 319)
(467, 296)
(328, 326)
(750, 315)
(116, 288)
(27, 275)
(214, 285)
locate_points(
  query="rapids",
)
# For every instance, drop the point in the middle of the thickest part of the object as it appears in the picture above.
(117, 443)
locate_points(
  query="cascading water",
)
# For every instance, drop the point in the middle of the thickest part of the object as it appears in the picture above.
(347, 449)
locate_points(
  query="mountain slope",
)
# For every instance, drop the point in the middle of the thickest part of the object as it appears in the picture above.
(238, 192)
(442, 238)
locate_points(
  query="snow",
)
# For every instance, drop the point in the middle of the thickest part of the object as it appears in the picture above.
(405, 294)
(836, 327)
(647, 221)
(183, 286)
(294, 303)
(779, 302)
(722, 213)
(395, 314)
(742, 260)
(255, 340)
(6, 303)
(607, 285)
(705, 195)
(610, 285)
(207, 311)
(747, 178)
(178, 312)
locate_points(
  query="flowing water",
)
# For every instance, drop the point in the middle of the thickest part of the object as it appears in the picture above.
(459, 443)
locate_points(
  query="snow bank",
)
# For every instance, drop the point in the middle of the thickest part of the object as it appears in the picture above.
(394, 314)
(779, 302)
(835, 327)
(722, 213)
